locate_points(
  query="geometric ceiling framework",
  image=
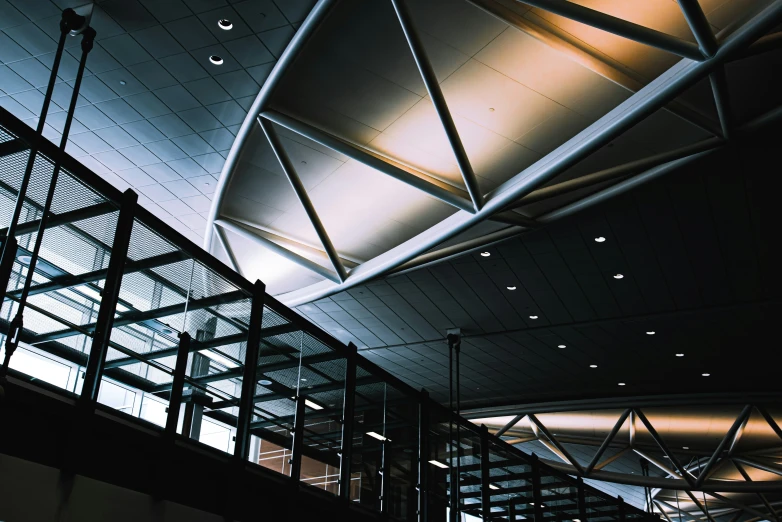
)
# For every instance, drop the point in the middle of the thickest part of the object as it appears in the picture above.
(154, 114)
(390, 135)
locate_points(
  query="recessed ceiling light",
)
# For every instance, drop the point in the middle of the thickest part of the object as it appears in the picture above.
(650, 333)
(621, 384)
(493, 486)
(533, 317)
(679, 355)
(561, 346)
(705, 374)
(491, 109)
(485, 254)
(24, 259)
(216, 59)
(438, 464)
(618, 276)
(685, 447)
(600, 239)
(123, 82)
(225, 25)
(511, 288)
(593, 366)
(377, 436)
(264, 382)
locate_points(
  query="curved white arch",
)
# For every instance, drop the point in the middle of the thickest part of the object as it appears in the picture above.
(640, 105)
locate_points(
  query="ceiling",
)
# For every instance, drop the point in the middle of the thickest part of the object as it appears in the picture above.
(153, 113)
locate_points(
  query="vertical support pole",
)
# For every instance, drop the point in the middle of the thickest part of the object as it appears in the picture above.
(70, 20)
(423, 457)
(537, 495)
(108, 304)
(512, 510)
(582, 508)
(721, 92)
(485, 477)
(348, 416)
(298, 440)
(621, 508)
(249, 375)
(178, 384)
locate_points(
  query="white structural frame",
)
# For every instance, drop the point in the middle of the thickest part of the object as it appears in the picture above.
(704, 61)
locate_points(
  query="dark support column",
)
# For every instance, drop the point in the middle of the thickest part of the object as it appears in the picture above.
(485, 476)
(537, 495)
(348, 407)
(110, 295)
(70, 20)
(249, 377)
(423, 457)
(298, 440)
(177, 386)
(582, 508)
(7, 262)
(621, 508)
(512, 510)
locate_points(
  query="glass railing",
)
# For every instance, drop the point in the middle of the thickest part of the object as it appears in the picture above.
(126, 315)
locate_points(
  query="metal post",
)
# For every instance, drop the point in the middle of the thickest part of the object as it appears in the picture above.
(17, 323)
(70, 20)
(298, 440)
(423, 457)
(485, 477)
(537, 495)
(110, 295)
(178, 384)
(621, 507)
(699, 26)
(512, 509)
(438, 100)
(348, 407)
(249, 375)
(582, 508)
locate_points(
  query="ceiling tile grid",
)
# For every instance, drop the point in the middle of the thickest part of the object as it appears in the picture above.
(153, 114)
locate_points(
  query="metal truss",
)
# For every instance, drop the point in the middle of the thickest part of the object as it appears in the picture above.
(698, 61)
(694, 481)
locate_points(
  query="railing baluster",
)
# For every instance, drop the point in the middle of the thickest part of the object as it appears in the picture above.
(249, 377)
(109, 297)
(298, 441)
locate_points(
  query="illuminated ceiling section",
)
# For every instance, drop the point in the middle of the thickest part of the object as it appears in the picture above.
(523, 98)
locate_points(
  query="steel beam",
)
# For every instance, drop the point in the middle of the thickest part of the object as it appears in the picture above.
(438, 100)
(588, 57)
(301, 194)
(238, 229)
(485, 475)
(440, 190)
(229, 253)
(607, 441)
(619, 27)
(700, 506)
(699, 26)
(13, 146)
(744, 415)
(617, 172)
(660, 442)
(719, 88)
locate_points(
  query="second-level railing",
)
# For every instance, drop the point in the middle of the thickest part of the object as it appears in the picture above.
(125, 313)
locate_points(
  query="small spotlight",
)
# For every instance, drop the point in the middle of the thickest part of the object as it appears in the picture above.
(123, 82)
(493, 486)
(24, 259)
(679, 355)
(685, 447)
(265, 382)
(216, 59)
(511, 288)
(706, 374)
(485, 254)
(561, 346)
(225, 25)
(618, 276)
(593, 366)
(621, 384)
(533, 317)
(650, 333)
(600, 239)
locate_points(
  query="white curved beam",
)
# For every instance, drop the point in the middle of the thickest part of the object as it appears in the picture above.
(645, 102)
